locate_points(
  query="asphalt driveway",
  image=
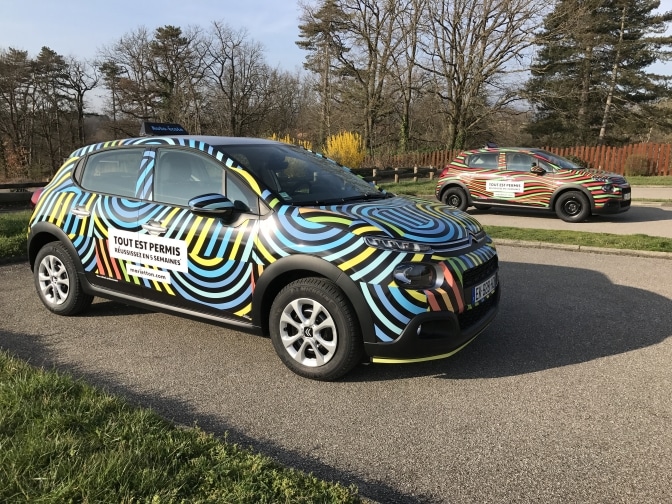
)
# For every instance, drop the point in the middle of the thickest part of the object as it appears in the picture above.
(565, 398)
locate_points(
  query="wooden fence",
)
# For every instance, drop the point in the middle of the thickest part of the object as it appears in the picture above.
(613, 159)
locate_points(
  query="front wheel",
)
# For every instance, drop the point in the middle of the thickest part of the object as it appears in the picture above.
(456, 197)
(57, 282)
(572, 206)
(314, 329)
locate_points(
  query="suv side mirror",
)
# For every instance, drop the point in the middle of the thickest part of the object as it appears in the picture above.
(537, 170)
(212, 204)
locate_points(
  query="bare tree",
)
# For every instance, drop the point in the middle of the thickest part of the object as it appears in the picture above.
(237, 71)
(81, 78)
(476, 46)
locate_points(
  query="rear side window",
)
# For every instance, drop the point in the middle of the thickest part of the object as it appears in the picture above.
(486, 160)
(112, 172)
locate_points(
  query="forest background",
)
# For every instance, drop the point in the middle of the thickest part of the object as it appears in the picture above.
(405, 76)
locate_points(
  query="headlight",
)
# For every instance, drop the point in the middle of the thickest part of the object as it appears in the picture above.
(415, 275)
(389, 244)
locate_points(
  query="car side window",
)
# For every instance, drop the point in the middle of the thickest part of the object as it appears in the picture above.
(180, 175)
(236, 190)
(112, 172)
(517, 161)
(485, 160)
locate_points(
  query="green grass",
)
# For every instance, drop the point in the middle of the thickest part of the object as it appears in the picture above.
(582, 238)
(64, 441)
(13, 229)
(636, 180)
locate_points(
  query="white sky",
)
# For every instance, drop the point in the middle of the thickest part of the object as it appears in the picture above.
(80, 27)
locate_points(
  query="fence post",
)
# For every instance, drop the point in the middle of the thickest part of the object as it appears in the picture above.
(375, 174)
(415, 173)
(431, 172)
(396, 175)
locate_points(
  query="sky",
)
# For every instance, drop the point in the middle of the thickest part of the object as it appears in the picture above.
(80, 28)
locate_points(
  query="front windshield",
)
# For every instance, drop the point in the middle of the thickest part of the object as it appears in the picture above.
(559, 160)
(300, 177)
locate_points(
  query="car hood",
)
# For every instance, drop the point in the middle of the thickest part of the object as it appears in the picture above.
(603, 176)
(405, 218)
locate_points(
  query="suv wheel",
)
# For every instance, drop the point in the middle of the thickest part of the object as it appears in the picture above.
(57, 282)
(456, 197)
(314, 329)
(572, 206)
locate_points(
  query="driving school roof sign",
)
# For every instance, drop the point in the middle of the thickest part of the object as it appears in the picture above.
(154, 129)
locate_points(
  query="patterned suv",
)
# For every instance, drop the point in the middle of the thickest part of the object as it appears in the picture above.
(531, 178)
(266, 237)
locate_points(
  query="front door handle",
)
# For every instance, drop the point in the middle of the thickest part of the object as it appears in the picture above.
(80, 211)
(154, 227)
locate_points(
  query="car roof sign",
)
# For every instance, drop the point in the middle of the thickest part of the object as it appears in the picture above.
(155, 128)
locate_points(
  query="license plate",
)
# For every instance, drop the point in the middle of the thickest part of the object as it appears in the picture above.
(483, 290)
(627, 196)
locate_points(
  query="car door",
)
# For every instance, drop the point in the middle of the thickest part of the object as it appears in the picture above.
(484, 168)
(191, 259)
(106, 213)
(522, 185)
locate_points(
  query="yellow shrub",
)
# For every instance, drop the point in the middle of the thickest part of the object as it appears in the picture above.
(347, 148)
(306, 144)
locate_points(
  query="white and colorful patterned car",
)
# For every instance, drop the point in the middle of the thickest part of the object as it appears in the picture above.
(510, 177)
(266, 237)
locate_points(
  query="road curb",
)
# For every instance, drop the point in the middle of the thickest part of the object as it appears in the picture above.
(584, 248)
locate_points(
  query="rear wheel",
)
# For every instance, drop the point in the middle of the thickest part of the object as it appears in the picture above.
(314, 329)
(572, 206)
(57, 282)
(456, 197)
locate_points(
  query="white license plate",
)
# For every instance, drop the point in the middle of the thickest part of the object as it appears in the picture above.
(483, 290)
(627, 196)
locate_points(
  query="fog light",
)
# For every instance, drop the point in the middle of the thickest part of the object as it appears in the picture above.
(415, 275)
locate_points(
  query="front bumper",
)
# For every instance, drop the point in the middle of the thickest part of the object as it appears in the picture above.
(436, 335)
(615, 205)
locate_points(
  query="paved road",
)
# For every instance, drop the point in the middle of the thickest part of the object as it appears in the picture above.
(653, 220)
(565, 398)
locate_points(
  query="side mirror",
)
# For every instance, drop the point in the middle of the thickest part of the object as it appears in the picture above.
(537, 170)
(212, 204)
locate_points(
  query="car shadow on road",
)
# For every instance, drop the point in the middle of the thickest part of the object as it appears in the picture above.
(550, 316)
(637, 213)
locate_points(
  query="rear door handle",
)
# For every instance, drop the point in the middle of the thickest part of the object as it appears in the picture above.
(154, 227)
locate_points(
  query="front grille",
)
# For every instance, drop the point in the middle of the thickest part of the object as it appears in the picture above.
(625, 203)
(479, 274)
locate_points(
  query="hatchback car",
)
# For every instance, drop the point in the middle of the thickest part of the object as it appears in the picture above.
(264, 237)
(531, 178)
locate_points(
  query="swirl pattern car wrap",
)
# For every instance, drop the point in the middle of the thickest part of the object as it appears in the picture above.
(232, 239)
(532, 178)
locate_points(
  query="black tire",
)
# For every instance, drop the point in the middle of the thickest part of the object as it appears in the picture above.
(57, 282)
(572, 206)
(297, 311)
(456, 197)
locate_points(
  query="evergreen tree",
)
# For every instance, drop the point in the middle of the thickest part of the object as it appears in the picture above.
(591, 81)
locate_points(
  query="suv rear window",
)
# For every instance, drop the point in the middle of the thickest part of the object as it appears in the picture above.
(483, 160)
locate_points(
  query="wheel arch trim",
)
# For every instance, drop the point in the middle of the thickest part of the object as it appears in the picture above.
(289, 268)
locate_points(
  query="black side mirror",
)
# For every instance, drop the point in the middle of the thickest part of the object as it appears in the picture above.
(212, 204)
(537, 170)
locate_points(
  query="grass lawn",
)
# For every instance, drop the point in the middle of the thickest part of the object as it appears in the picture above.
(62, 440)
